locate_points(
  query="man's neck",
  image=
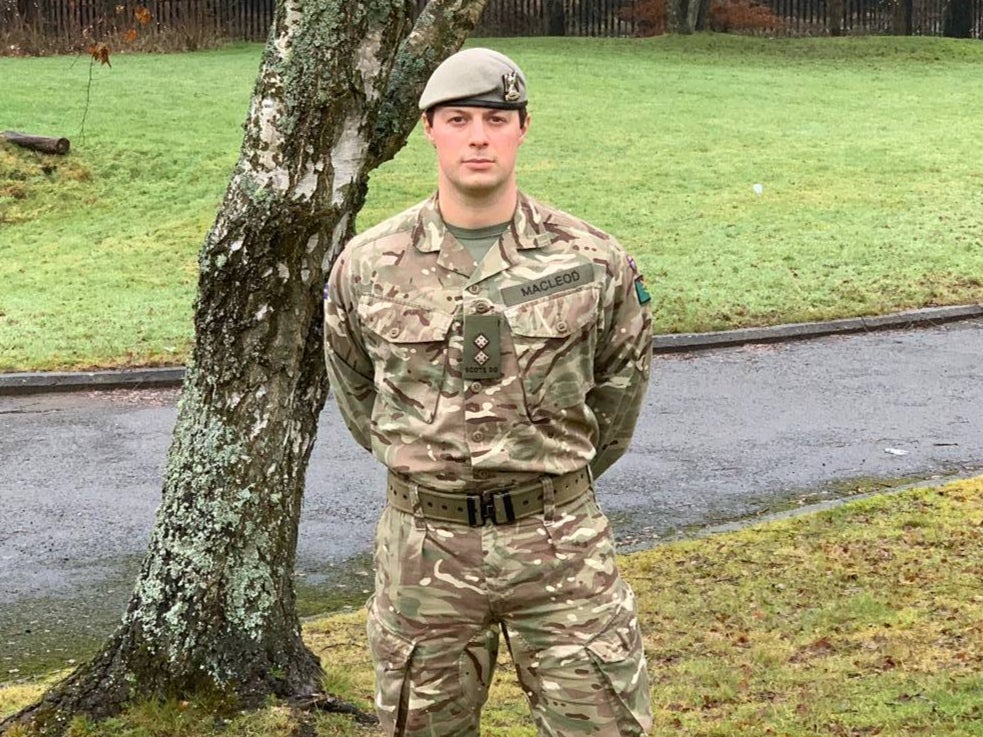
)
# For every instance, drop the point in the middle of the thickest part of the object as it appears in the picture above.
(464, 211)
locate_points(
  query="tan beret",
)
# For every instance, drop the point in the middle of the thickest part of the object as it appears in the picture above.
(476, 78)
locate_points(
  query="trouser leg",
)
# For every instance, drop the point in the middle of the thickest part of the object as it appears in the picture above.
(573, 632)
(432, 642)
(434, 686)
(599, 687)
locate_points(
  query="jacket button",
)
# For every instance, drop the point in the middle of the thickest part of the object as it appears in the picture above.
(482, 307)
(474, 289)
(561, 326)
(393, 332)
(477, 436)
(476, 386)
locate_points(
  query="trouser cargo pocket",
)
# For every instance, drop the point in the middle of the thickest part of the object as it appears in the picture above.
(392, 655)
(620, 660)
(599, 688)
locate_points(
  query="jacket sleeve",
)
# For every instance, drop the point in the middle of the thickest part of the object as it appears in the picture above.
(622, 362)
(350, 370)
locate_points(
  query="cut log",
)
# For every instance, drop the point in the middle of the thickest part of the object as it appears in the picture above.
(39, 143)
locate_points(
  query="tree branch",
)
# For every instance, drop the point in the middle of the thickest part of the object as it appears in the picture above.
(439, 31)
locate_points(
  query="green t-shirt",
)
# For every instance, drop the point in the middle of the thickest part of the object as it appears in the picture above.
(478, 241)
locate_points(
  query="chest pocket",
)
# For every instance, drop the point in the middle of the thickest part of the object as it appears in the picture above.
(408, 345)
(554, 339)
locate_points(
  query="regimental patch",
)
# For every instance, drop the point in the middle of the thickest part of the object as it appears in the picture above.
(561, 281)
(482, 347)
(327, 292)
(640, 291)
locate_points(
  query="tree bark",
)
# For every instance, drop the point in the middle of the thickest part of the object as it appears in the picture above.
(696, 16)
(687, 16)
(902, 23)
(958, 19)
(836, 10)
(556, 22)
(43, 144)
(213, 610)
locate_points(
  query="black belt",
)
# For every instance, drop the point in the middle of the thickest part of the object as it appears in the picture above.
(497, 506)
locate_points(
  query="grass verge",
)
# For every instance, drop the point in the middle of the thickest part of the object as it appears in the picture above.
(870, 202)
(862, 620)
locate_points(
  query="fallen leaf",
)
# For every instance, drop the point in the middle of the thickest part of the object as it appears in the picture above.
(100, 53)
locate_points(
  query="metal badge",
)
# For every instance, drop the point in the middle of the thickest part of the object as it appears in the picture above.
(510, 85)
(482, 347)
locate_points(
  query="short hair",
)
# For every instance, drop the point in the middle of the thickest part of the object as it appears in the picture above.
(428, 114)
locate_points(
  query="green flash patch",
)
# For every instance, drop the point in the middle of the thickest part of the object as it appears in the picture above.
(641, 292)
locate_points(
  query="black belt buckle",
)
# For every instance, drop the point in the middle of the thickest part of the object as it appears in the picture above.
(484, 508)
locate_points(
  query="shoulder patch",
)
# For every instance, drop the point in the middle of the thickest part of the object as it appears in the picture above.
(640, 291)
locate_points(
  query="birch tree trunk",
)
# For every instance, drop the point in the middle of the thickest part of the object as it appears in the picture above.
(213, 610)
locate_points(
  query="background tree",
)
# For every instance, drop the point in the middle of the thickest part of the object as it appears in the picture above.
(837, 8)
(687, 16)
(958, 21)
(556, 20)
(902, 17)
(213, 610)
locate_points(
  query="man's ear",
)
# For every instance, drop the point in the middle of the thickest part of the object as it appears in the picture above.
(525, 128)
(427, 128)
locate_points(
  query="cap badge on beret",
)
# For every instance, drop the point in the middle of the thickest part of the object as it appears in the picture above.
(475, 77)
(510, 85)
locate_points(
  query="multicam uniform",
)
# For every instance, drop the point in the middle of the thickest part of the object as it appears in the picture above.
(526, 368)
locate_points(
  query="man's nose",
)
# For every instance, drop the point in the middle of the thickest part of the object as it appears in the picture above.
(479, 135)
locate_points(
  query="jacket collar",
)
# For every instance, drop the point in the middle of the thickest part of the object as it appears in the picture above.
(526, 231)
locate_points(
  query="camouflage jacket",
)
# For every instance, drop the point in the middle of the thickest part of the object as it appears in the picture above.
(469, 376)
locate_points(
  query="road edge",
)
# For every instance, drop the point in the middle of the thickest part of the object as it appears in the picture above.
(37, 382)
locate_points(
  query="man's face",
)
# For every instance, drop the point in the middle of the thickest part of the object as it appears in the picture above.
(476, 147)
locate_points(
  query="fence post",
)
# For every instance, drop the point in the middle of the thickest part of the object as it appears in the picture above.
(836, 18)
(555, 18)
(902, 17)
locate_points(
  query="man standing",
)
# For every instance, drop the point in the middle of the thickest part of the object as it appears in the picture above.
(493, 353)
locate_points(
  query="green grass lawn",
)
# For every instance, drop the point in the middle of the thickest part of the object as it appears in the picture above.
(862, 620)
(866, 150)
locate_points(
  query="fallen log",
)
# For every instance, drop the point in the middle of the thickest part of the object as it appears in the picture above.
(39, 143)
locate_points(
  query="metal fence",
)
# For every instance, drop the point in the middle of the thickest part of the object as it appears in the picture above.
(251, 19)
(83, 19)
(858, 17)
(609, 18)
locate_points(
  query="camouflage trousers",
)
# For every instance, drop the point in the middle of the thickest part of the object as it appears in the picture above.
(549, 582)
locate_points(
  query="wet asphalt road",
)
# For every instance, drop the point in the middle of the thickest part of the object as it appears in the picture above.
(726, 434)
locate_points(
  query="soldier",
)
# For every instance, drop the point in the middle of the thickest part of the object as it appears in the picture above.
(493, 353)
